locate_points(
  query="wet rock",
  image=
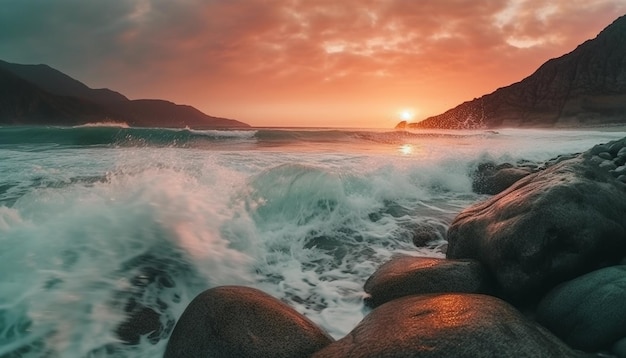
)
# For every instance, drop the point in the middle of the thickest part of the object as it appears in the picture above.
(448, 325)
(599, 148)
(427, 233)
(616, 146)
(588, 312)
(619, 348)
(233, 321)
(621, 170)
(559, 159)
(608, 165)
(409, 275)
(152, 283)
(547, 228)
(141, 321)
(492, 179)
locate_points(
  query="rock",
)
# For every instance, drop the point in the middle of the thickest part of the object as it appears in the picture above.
(616, 146)
(234, 321)
(619, 348)
(549, 227)
(622, 152)
(563, 157)
(599, 148)
(426, 233)
(605, 155)
(608, 165)
(153, 274)
(408, 275)
(492, 179)
(597, 160)
(448, 325)
(588, 312)
(140, 321)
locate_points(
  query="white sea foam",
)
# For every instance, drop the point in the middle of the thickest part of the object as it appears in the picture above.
(105, 124)
(235, 134)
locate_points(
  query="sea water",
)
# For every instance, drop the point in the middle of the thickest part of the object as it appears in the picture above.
(98, 222)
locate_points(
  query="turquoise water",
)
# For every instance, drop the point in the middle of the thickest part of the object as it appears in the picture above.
(98, 223)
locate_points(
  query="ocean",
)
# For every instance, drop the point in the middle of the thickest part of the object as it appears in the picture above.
(100, 222)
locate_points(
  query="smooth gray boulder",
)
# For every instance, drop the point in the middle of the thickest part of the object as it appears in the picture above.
(447, 325)
(588, 312)
(409, 275)
(235, 321)
(547, 228)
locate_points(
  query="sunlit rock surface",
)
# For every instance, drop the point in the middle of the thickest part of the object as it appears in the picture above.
(408, 275)
(448, 325)
(234, 321)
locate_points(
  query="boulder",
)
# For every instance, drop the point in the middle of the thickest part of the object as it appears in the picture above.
(447, 325)
(492, 179)
(588, 312)
(234, 321)
(619, 348)
(547, 228)
(408, 275)
(428, 232)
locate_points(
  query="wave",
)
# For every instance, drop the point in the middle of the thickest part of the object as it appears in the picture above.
(105, 124)
(120, 134)
(115, 134)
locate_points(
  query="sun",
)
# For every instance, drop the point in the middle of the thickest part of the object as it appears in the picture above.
(406, 114)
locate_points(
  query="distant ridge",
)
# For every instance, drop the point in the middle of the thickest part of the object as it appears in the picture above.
(582, 88)
(40, 94)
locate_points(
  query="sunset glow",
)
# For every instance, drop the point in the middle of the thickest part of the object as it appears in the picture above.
(301, 63)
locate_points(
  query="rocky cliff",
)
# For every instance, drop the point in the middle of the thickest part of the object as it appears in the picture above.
(584, 87)
(39, 94)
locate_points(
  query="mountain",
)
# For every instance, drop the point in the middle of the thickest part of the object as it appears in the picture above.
(40, 94)
(21, 102)
(584, 87)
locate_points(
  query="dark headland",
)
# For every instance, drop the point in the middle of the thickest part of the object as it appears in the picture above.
(42, 95)
(586, 87)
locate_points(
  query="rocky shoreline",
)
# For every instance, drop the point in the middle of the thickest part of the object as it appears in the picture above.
(536, 270)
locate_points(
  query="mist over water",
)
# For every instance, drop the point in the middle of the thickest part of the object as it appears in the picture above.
(99, 222)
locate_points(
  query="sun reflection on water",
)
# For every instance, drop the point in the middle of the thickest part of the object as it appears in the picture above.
(406, 149)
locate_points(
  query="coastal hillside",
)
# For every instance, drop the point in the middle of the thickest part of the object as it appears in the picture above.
(582, 88)
(22, 102)
(40, 94)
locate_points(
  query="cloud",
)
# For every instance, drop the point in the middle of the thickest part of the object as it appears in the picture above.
(257, 50)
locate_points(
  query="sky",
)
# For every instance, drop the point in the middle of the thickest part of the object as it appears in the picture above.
(313, 63)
